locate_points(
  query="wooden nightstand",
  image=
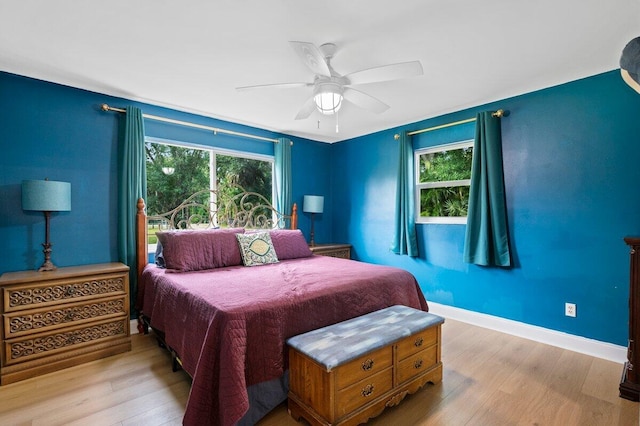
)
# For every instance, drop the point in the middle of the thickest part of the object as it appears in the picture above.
(334, 250)
(57, 319)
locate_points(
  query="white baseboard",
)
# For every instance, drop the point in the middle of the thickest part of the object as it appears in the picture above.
(571, 342)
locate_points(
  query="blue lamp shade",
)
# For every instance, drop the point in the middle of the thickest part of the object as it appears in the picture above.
(313, 204)
(46, 195)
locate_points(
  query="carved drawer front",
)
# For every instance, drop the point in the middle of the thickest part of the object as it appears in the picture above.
(43, 344)
(35, 295)
(342, 254)
(417, 342)
(363, 392)
(32, 321)
(362, 367)
(417, 364)
(342, 251)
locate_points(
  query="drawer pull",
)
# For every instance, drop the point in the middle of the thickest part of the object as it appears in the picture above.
(418, 364)
(71, 291)
(367, 390)
(419, 341)
(367, 365)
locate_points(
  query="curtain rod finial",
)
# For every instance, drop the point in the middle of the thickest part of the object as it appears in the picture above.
(396, 136)
(104, 107)
(500, 113)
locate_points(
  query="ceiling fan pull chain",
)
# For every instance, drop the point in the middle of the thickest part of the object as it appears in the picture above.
(337, 129)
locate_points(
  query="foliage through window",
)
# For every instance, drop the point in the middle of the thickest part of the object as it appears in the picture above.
(176, 172)
(443, 179)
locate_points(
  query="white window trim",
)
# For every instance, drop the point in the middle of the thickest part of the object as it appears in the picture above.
(422, 185)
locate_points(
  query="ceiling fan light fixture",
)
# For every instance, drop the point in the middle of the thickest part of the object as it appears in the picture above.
(328, 98)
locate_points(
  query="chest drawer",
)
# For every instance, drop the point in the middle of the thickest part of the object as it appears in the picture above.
(19, 323)
(417, 342)
(363, 392)
(364, 366)
(35, 295)
(35, 346)
(417, 363)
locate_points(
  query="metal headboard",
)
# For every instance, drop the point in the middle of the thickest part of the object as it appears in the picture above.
(210, 209)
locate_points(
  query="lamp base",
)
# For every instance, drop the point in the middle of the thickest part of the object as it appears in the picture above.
(47, 265)
(311, 242)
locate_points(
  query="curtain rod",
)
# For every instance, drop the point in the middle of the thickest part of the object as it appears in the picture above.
(499, 113)
(215, 130)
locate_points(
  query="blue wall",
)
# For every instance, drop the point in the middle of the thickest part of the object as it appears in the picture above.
(571, 157)
(54, 131)
(572, 168)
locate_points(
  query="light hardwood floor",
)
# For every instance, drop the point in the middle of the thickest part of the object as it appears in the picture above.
(490, 378)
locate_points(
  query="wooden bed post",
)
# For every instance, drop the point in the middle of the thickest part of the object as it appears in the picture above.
(294, 216)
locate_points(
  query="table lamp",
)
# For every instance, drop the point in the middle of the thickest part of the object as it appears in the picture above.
(313, 204)
(46, 196)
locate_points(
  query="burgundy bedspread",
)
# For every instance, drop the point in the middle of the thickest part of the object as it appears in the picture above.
(230, 325)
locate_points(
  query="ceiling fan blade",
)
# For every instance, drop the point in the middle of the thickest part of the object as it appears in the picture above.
(274, 86)
(306, 110)
(312, 57)
(364, 101)
(386, 73)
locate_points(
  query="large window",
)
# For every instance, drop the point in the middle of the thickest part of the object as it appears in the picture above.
(175, 172)
(443, 179)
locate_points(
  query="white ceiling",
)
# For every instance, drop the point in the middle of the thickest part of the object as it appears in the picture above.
(192, 54)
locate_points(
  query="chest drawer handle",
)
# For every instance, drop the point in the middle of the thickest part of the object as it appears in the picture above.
(418, 342)
(367, 365)
(71, 291)
(367, 390)
(418, 364)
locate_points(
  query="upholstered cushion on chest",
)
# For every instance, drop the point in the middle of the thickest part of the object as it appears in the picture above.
(340, 343)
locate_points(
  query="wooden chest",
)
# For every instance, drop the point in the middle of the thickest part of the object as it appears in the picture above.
(346, 373)
(57, 319)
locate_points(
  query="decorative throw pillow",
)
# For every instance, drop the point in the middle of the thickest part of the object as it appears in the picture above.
(256, 249)
(289, 244)
(194, 250)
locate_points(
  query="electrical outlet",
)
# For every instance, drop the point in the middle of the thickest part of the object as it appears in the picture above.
(570, 309)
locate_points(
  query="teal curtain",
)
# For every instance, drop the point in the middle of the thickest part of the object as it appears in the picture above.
(283, 181)
(404, 239)
(487, 237)
(132, 184)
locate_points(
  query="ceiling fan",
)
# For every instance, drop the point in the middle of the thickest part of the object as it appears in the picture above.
(331, 88)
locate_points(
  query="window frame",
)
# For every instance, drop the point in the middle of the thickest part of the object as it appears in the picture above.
(419, 186)
(213, 152)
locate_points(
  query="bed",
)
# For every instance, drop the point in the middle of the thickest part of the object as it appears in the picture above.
(228, 323)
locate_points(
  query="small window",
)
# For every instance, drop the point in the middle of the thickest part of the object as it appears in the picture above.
(443, 179)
